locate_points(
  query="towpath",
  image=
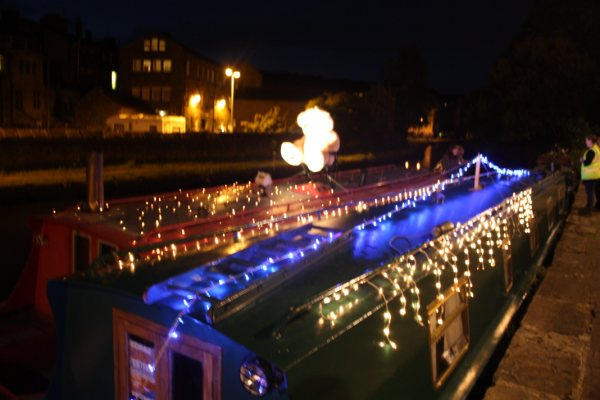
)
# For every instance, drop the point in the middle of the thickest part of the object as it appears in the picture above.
(555, 353)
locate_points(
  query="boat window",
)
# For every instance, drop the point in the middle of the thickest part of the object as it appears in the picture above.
(188, 368)
(142, 379)
(81, 252)
(448, 331)
(105, 248)
(187, 377)
(508, 269)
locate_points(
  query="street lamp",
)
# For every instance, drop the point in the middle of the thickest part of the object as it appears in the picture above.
(234, 75)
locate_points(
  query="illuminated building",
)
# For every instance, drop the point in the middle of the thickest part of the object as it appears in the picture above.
(168, 76)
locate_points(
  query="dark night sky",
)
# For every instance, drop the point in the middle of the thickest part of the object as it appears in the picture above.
(460, 40)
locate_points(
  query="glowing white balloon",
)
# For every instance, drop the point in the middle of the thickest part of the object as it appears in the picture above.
(291, 154)
(319, 142)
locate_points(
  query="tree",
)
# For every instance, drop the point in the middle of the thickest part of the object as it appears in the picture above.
(544, 85)
(270, 122)
(548, 83)
(366, 117)
(405, 77)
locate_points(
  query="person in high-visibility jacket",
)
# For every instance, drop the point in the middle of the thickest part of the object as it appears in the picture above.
(590, 172)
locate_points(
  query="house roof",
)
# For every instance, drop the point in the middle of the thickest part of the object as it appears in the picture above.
(170, 37)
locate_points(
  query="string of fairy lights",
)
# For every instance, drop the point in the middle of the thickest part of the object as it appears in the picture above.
(473, 242)
(156, 216)
(188, 243)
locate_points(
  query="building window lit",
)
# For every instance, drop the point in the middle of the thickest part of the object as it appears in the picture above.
(154, 44)
(167, 65)
(161, 45)
(166, 94)
(187, 68)
(135, 92)
(1, 63)
(147, 45)
(220, 105)
(147, 65)
(113, 80)
(195, 100)
(157, 65)
(145, 93)
(137, 65)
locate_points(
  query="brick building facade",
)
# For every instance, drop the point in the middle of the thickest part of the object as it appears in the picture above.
(170, 77)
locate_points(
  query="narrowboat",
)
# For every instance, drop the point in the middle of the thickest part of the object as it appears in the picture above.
(402, 294)
(67, 241)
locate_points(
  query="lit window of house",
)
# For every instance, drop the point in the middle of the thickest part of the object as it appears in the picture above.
(135, 92)
(1, 63)
(145, 93)
(167, 65)
(147, 65)
(166, 94)
(113, 80)
(161, 45)
(154, 44)
(137, 65)
(147, 45)
(157, 65)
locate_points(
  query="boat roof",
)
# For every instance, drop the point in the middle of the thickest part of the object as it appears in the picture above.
(279, 322)
(175, 215)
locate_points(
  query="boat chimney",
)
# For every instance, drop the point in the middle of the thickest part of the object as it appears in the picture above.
(95, 182)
